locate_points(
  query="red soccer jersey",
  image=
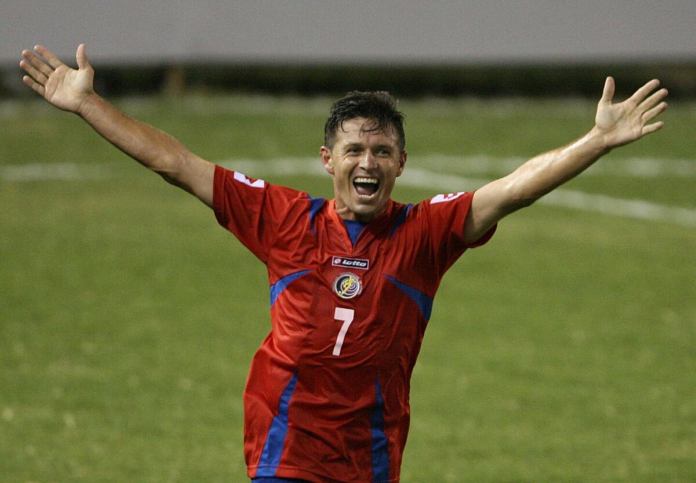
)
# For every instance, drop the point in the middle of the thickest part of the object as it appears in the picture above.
(328, 390)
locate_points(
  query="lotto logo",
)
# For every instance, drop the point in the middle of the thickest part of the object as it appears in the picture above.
(445, 198)
(359, 263)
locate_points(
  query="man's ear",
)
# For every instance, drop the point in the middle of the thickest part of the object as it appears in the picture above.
(327, 160)
(402, 162)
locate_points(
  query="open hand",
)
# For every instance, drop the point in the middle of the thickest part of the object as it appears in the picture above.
(62, 86)
(627, 121)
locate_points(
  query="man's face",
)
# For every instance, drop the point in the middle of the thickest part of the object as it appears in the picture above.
(364, 165)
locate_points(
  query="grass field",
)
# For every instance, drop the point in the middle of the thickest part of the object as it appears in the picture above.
(565, 350)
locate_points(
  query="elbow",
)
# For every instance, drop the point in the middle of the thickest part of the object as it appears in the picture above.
(166, 171)
(170, 179)
(524, 202)
(170, 169)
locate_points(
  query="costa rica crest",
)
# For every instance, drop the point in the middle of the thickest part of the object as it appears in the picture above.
(347, 285)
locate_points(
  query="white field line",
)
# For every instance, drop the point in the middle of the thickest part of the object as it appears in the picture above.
(53, 172)
(420, 178)
(482, 165)
(628, 167)
(578, 200)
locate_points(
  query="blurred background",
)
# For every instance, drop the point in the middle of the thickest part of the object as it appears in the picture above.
(449, 47)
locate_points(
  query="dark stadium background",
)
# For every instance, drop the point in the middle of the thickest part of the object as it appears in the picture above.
(484, 48)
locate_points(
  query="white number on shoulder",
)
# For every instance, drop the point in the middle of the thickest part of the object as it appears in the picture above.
(445, 198)
(242, 178)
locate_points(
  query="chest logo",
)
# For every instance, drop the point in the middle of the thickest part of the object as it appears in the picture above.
(359, 263)
(347, 286)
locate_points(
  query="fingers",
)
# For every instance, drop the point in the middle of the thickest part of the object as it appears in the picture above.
(653, 100)
(608, 92)
(36, 72)
(35, 86)
(640, 95)
(50, 57)
(651, 128)
(655, 111)
(30, 61)
(39, 66)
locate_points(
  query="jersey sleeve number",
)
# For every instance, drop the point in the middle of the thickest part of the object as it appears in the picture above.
(345, 316)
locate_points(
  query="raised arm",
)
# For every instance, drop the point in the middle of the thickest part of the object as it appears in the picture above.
(616, 124)
(72, 90)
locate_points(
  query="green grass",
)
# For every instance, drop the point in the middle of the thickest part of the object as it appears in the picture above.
(562, 351)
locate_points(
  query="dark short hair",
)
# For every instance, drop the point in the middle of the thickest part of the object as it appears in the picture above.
(378, 106)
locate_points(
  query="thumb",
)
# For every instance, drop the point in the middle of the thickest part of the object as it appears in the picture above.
(608, 93)
(81, 57)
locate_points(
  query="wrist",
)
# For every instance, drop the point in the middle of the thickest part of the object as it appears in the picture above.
(598, 141)
(89, 104)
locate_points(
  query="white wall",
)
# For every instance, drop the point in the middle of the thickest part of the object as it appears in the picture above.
(408, 31)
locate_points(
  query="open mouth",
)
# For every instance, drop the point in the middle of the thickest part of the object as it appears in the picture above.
(365, 186)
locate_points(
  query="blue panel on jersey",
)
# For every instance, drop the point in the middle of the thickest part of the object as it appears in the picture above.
(425, 303)
(315, 205)
(354, 228)
(278, 287)
(400, 219)
(380, 446)
(273, 448)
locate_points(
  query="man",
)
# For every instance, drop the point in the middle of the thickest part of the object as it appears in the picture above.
(352, 280)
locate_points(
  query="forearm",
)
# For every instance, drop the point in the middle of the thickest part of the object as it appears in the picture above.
(149, 146)
(616, 124)
(531, 181)
(545, 172)
(72, 90)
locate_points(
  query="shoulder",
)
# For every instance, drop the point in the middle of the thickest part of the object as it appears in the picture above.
(228, 180)
(440, 206)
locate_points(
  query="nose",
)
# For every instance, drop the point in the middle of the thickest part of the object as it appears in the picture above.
(368, 161)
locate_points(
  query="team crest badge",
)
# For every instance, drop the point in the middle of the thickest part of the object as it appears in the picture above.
(347, 286)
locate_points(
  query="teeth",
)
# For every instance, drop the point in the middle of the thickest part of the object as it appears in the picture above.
(366, 180)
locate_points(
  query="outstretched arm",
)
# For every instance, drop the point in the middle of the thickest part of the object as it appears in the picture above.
(616, 124)
(72, 90)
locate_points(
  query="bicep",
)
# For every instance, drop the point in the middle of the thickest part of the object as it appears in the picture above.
(490, 203)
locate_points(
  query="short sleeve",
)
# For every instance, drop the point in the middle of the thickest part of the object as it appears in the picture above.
(447, 215)
(249, 208)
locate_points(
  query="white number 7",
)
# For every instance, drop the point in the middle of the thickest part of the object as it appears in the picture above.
(346, 316)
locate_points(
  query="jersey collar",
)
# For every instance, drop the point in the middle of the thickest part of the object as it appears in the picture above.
(372, 229)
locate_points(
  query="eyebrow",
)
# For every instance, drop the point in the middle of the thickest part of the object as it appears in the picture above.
(350, 146)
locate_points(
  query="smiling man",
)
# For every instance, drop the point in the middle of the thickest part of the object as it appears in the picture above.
(352, 279)
(363, 150)
(352, 284)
